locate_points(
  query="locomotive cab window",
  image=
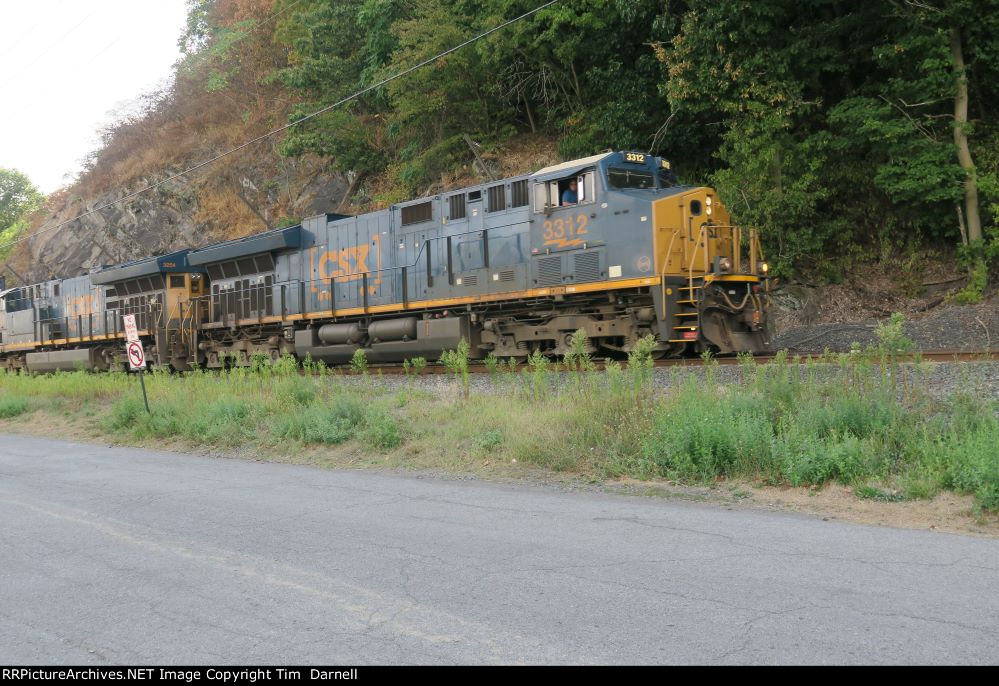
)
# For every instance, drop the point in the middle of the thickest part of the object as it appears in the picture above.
(621, 178)
(569, 191)
(667, 179)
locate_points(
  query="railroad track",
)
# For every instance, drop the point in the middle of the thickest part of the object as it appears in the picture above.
(930, 355)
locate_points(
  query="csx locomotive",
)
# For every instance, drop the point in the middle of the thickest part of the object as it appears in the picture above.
(512, 267)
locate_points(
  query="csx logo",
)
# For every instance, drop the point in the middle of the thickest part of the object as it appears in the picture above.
(348, 264)
(83, 305)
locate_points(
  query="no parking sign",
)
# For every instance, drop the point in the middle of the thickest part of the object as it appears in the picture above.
(136, 356)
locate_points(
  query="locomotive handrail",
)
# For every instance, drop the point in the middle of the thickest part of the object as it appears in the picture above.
(690, 263)
(662, 275)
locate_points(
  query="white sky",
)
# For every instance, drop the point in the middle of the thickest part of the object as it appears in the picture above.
(66, 66)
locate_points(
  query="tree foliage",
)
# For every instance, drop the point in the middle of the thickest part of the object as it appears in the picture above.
(18, 199)
(828, 124)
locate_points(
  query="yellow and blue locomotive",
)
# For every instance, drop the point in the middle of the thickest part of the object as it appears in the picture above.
(610, 244)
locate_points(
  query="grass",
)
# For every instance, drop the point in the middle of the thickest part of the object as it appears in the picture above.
(864, 421)
(12, 406)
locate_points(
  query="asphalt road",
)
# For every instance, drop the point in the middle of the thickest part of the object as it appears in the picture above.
(116, 555)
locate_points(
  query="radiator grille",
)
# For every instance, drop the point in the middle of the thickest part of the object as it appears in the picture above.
(519, 193)
(456, 206)
(497, 198)
(587, 266)
(550, 271)
(471, 280)
(506, 275)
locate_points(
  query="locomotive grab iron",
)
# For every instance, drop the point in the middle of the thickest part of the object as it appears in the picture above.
(509, 266)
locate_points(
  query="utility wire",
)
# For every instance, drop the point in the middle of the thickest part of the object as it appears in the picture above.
(276, 131)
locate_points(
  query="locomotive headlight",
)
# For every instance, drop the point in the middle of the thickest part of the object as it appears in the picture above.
(725, 264)
(763, 267)
(708, 201)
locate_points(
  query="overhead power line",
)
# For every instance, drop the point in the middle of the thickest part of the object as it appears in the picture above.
(281, 129)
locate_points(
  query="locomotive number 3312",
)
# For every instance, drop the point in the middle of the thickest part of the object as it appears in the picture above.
(563, 231)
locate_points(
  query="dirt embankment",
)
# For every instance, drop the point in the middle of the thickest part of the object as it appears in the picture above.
(813, 317)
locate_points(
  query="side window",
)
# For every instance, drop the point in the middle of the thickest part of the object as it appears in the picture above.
(587, 183)
(576, 190)
(569, 191)
(542, 197)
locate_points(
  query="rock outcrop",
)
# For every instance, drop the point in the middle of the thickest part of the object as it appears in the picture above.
(190, 211)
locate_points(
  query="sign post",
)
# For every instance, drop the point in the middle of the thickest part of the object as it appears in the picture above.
(136, 355)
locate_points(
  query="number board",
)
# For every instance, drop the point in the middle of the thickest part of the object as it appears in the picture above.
(635, 157)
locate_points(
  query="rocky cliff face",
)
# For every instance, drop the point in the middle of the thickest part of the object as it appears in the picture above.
(204, 207)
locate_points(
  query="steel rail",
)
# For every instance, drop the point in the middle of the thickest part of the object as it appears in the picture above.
(390, 369)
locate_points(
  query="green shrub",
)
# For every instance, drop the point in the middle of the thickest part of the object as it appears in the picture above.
(381, 430)
(492, 364)
(12, 406)
(414, 366)
(225, 421)
(844, 413)
(336, 423)
(968, 462)
(892, 340)
(124, 414)
(299, 391)
(456, 362)
(577, 357)
(313, 425)
(538, 367)
(697, 435)
(359, 362)
(806, 459)
(490, 440)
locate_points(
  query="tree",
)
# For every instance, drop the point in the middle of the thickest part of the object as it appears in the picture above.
(18, 200)
(336, 48)
(18, 197)
(843, 127)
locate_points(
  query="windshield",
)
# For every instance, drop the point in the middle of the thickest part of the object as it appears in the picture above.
(667, 179)
(620, 177)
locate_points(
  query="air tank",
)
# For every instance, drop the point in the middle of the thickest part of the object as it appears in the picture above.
(333, 334)
(393, 330)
